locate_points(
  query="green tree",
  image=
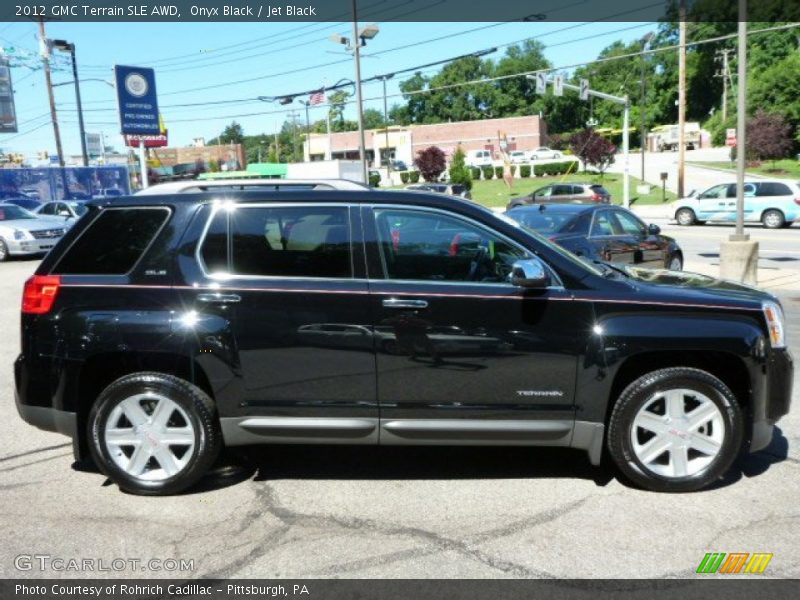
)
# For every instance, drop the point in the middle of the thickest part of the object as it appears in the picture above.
(373, 119)
(337, 101)
(232, 134)
(459, 173)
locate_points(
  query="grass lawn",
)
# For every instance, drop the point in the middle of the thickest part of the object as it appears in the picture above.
(781, 169)
(493, 193)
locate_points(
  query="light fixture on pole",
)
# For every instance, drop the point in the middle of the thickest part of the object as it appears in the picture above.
(65, 46)
(359, 40)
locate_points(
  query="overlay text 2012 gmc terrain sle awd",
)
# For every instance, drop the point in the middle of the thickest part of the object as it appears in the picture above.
(163, 327)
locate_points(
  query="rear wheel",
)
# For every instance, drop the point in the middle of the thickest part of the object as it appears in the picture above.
(773, 219)
(675, 430)
(685, 217)
(154, 434)
(3, 251)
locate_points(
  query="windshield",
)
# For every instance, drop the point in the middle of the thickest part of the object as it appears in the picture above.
(11, 212)
(553, 247)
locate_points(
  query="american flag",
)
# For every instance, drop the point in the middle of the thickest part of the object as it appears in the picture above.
(317, 97)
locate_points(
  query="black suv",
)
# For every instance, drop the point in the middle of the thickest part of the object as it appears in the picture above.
(161, 328)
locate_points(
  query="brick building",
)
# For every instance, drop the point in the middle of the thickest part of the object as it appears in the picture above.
(403, 143)
(230, 154)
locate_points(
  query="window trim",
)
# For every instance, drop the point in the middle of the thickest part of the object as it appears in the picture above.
(217, 205)
(101, 211)
(505, 285)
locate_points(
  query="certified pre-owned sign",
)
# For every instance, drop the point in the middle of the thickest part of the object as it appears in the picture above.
(136, 96)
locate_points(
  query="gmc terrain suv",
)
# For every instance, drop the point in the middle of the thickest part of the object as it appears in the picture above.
(161, 328)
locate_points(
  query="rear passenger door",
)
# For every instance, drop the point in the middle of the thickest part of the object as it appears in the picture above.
(290, 281)
(607, 239)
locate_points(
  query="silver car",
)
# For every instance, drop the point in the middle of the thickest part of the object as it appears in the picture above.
(22, 233)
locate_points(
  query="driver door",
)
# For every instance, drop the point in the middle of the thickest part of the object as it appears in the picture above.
(456, 343)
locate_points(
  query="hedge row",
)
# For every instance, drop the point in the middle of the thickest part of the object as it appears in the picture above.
(525, 171)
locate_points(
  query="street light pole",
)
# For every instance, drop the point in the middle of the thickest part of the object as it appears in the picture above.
(307, 144)
(68, 47)
(362, 153)
(49, 82)
(642, 108)
(384, 78)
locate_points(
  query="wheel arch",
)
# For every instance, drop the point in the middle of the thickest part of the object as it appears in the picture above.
(100, 370)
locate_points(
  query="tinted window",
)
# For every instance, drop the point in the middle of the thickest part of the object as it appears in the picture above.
(629, 223)
(602, 223)
(48, 209)
(543, 221)
(428, 246)
(113, 243)
(281, 241)
(562, 190)
(543, 192)
(773, 188)
(599, 189)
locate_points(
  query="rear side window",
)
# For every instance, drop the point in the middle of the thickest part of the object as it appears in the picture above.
(279, 242)
(114, 242)
(773, 188)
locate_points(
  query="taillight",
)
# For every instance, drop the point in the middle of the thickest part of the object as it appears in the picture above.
(597, 198)
(797, 200)
(39, 294)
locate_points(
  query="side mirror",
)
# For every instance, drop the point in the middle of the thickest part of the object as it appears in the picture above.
(529, 273)
(653, 229)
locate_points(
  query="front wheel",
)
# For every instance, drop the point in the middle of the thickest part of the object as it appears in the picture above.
(773, 219)
(3, 251)
(675, 430)
(685, 217)
(675, 262)
(154, 434)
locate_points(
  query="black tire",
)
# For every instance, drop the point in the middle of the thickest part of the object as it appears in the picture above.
(3, 251)
(195, 404)
(674, 262)
(640, 393)
(773, 219)
(685, 217)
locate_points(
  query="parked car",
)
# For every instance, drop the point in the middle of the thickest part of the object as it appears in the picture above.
(545, 152)
(609, 233)
(774, 203)
(68, 210)
(479, 158)
(562, 193)
(399, 165)
(262, 185)
(161, 328)
(22, 233)
(518, 157)
(452, 189)
(25, 202)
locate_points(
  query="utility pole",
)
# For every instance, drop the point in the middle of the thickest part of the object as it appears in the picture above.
(53, 116)
(723, 56)
(642, 104)
(682, 99)
(362, 149)
(384, 78)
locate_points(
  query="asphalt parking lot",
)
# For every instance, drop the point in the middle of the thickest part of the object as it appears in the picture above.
(317, 512)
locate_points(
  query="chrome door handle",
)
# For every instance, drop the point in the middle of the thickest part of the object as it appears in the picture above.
(400, 303)
(218, 298)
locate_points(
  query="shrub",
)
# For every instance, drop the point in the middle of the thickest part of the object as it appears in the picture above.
(431, 163)
(572, 166)
(513, 169)
(498, 172)
(539, 170)
(413, 176)
(488, 172)
(404, 176)
(459, 173)
(476, 172)
(374, 179)
(525, 171)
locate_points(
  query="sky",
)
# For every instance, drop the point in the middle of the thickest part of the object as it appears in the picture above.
(230, 64)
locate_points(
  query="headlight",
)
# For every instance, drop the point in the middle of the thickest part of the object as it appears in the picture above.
(19, 234)
(774, 316)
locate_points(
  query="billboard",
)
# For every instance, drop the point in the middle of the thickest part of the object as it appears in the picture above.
(8, 113)
(94, 144)
(137, 101)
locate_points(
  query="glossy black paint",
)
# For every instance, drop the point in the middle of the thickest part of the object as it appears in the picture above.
(579, 233)
(329, 347)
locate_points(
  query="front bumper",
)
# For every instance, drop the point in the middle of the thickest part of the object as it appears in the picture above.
(774, 399)
(28, 247)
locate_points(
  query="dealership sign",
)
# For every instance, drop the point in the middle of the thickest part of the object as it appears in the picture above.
(150, 141)
(137, 101)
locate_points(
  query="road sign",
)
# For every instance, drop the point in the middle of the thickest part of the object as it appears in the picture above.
(584, 91)
(94, 144)
(558, 85)
(137, 101)
(730, 137)
(8, 114)
(541, 83)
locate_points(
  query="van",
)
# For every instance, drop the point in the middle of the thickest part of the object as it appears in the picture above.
(479, 158)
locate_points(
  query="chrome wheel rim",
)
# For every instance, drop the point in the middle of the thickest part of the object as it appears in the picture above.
(772, 220)
(150, 437)
(3, 250)
(677, 433)
(675, 264)
(684, 217)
